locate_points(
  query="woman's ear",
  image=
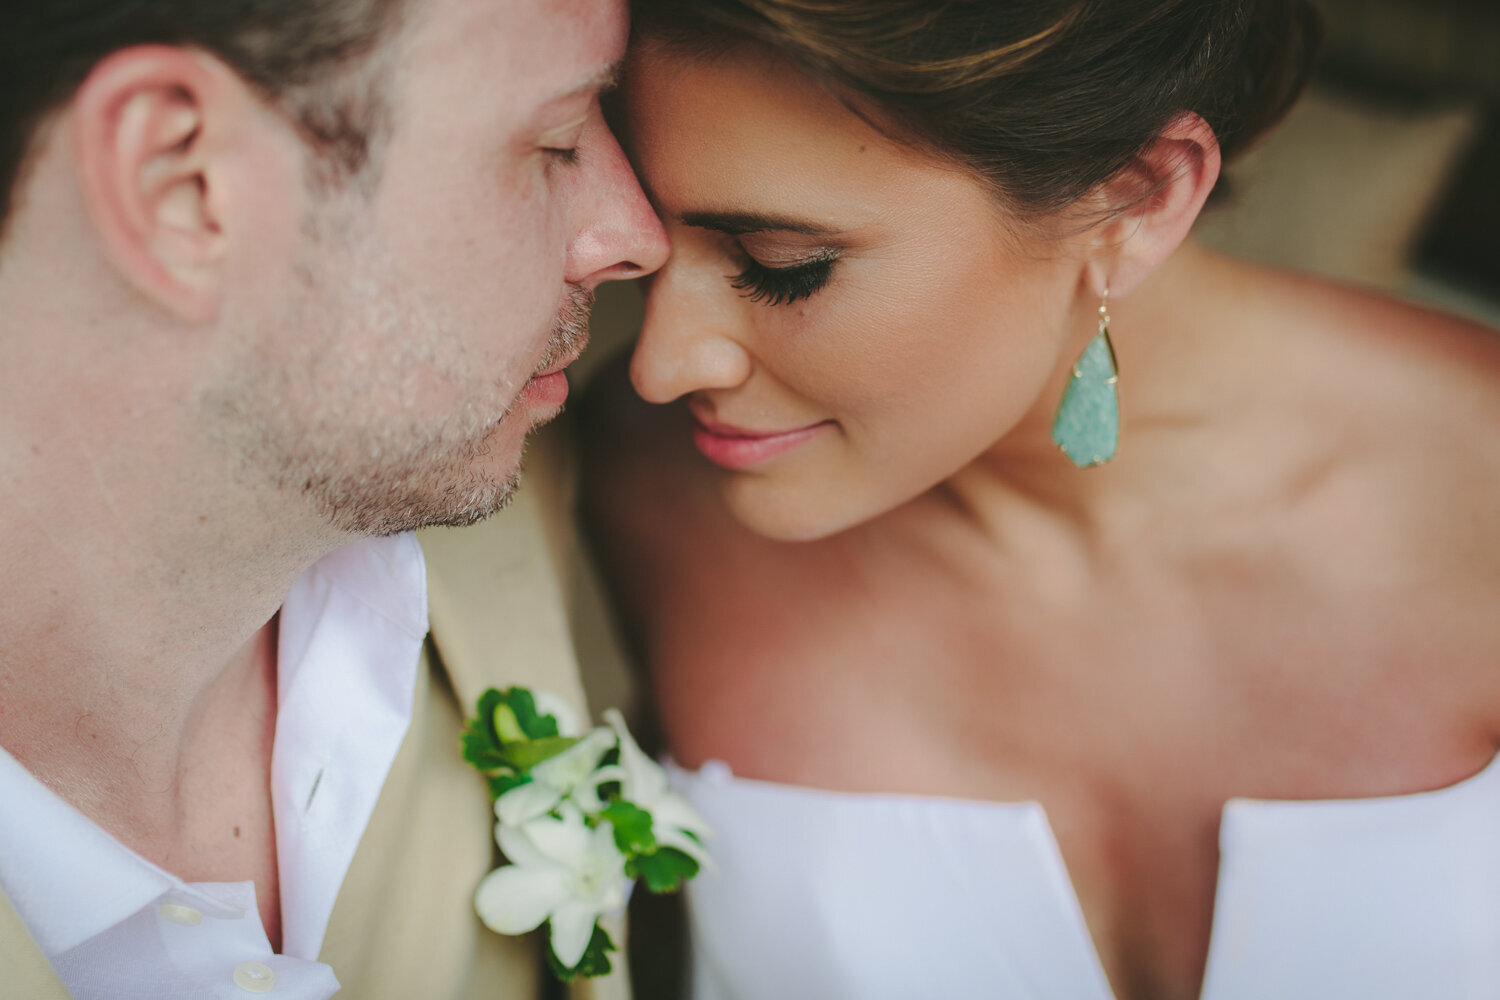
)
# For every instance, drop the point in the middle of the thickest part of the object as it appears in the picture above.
(151, 127)
(1163, 190)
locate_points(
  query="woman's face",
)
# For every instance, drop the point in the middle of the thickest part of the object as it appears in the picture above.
(851, 322)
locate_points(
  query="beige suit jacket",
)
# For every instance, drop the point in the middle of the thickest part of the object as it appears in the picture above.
(404, 927)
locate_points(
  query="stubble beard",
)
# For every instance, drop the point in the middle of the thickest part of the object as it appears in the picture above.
(446, 490)
(437, 486)
(364, 473)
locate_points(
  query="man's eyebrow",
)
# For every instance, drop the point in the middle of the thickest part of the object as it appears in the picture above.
(604, 80)
(741, 223)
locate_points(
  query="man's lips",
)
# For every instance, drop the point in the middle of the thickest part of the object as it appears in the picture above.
(742, 447)
(548, 389)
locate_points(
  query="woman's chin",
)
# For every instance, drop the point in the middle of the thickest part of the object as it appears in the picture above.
(785, 513)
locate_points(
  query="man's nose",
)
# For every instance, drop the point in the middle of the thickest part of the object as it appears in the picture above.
(620, 236)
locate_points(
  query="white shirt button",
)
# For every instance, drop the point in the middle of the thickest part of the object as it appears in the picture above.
(179, 914)
(254, 977)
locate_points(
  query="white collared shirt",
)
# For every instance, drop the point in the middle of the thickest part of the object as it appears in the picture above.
(116, 926)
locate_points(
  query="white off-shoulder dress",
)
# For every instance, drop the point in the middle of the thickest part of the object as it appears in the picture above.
(831, 895)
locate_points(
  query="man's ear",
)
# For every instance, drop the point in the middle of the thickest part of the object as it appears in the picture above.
(152, 128)
(1163, 191)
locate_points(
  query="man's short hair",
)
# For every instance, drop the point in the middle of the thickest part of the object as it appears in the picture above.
(303, 56)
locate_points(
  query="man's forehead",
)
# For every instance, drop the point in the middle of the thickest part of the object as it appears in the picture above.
(549, 49)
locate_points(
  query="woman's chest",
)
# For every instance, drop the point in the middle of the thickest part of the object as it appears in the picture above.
(1000, 694)
(882, 896)
(1131, 728)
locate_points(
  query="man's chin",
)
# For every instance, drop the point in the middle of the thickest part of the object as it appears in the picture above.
(457, 506)
(459, 492)
(485, 486)
(463, 517)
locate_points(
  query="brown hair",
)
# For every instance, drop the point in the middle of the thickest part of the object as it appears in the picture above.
(296, 53)
(1045, 100)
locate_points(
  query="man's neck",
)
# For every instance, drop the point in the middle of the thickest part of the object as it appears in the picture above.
(137, 660)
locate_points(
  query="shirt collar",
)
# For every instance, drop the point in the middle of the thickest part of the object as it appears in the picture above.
(43, 839)
(350, 638)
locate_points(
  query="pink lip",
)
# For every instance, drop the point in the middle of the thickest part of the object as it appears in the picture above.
(740, 448)
(546, 391)
(549, 389)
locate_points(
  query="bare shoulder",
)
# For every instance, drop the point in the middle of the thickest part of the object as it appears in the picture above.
(1406, 401)
(1426, 383)
(1414, 349)
(1378, 375)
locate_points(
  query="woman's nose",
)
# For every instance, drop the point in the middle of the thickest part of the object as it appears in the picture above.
(685, 344)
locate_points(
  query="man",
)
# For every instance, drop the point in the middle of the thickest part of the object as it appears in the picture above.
(280, 280)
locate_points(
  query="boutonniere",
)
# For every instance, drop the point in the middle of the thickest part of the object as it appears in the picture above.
(578, 815)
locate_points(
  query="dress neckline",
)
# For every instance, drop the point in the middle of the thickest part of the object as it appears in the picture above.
(719, 772)
(1248, 829)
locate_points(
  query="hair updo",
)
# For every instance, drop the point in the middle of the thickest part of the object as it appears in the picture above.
(1045, 100)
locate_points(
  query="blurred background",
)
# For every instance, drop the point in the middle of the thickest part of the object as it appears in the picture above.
(1386, 173)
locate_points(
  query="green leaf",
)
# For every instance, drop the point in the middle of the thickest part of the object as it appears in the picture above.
(524, 756)
(488, 701)
(502, 783)
(508, 735)
(479, 742)
(595, 960)
(632, 826)
(506, 725)
(533, 725)
(664, 870)
(488, 761)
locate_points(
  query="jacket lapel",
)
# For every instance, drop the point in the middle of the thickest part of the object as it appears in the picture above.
(24, 967)
(497, 613)
(495, 601)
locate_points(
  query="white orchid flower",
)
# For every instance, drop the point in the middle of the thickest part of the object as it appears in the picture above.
(567, 857)
(643, 783)
(556, 779)
(560, 870)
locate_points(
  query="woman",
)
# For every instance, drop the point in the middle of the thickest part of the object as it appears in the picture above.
(986, 692)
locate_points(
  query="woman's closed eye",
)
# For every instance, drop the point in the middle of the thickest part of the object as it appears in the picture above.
(774, 286)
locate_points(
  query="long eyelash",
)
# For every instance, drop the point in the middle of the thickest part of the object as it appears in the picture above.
(774, 286)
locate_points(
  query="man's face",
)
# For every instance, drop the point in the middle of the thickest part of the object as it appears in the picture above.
(431, 310)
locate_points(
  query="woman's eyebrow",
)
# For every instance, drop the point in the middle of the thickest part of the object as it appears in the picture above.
(740, 223)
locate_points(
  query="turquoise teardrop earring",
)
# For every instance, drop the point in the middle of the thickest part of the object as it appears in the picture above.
(1087, 425)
